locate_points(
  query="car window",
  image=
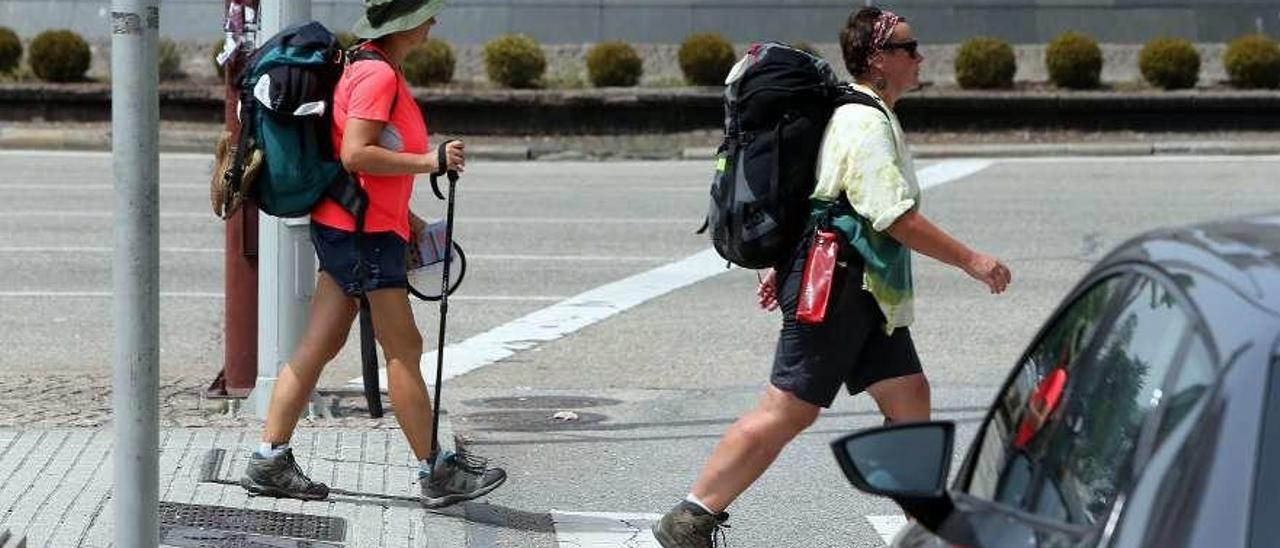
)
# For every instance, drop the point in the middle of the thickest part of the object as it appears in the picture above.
(1087, 456)
(1192, 382)
(1001, 471)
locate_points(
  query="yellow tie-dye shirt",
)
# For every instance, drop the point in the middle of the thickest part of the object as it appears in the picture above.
(865, 158)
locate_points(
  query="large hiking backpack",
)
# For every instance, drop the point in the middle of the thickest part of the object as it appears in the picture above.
(777, 103)
(286, 115)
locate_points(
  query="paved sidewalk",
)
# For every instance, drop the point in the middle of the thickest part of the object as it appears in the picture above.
(55, 489)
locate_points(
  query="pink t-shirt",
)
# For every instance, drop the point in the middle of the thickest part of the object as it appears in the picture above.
(367, 90)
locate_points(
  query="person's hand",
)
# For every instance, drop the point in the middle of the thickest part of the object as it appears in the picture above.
(767, 291)
(989, 271)
(456, 156)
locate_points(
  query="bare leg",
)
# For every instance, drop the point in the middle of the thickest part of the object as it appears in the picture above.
(902, 399)
(402, 343)
(332, 312)
(751, 445)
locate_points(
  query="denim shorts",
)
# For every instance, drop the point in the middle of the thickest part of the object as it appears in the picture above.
(850, 348)
(381, 253)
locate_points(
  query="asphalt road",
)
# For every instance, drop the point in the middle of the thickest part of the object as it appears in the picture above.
(656, 382)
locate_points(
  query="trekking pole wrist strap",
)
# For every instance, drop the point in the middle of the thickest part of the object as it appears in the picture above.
(442, 158)
(442, 168)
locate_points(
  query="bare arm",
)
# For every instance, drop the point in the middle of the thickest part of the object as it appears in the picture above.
(918, 233)
(361, 153)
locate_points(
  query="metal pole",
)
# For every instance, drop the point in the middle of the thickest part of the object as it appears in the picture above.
(135, 273)
(286, 261)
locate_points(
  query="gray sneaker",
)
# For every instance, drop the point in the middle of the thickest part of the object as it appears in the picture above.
(459, 477)
(280, 477)
(689, 526)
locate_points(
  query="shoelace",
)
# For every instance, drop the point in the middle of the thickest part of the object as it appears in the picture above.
(301, 476)
(469, 463)
(718, 536)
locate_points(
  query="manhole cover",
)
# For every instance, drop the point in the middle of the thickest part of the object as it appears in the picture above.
(255, 522)
(192, 537)
(542, 402)
(527, 421)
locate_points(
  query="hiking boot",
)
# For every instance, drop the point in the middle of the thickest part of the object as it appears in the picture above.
(689, 526)
(280, 477)
(458, 477)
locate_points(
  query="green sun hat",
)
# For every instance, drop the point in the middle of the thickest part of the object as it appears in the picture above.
(383, 17)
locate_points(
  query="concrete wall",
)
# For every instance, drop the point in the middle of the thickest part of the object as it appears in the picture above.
(743, 21)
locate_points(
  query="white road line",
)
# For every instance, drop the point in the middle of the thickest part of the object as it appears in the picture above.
(55, 187)
(219, 295)
(104, 249)
(560, 319)
(604, 530)
(600, 303)
(481, 257)
(945, 172)
(99, 154)
(887, 526)
(107, 214)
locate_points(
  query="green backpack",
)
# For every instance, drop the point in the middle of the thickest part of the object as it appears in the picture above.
(286, 112)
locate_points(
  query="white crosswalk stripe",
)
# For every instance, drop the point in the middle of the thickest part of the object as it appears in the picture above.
(604, 530)
(887, 526)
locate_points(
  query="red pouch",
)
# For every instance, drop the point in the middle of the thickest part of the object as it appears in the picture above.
(819, 274)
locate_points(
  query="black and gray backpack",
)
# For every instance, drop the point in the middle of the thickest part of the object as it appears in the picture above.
(777, 103)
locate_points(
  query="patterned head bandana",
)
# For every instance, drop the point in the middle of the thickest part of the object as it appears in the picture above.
(883, 29)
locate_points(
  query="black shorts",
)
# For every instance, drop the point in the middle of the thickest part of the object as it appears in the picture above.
(850, 347)
(383, 255)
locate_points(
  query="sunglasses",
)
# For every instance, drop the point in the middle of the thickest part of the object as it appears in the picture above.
(910, 46)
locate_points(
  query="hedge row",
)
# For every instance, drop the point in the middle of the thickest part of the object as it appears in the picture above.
(1073, 60)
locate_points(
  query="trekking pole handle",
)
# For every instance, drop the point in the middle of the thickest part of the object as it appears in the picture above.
(442, 168)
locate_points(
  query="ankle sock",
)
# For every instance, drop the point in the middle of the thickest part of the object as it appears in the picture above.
(425, 465)
(698, 504)
(269, 450)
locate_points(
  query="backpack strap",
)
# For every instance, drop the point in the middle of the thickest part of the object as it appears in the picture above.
(850, 96)
(359, 53)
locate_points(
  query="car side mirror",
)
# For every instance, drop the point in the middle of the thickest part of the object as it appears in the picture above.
(908, 463)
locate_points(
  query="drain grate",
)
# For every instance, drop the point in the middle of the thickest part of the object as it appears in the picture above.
(191, 537)
(542, 402)
(222, 519)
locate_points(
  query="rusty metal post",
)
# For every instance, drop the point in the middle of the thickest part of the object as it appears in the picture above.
(240, 255)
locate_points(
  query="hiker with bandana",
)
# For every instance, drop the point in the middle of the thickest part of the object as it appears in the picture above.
(866, 186)
(381, 139)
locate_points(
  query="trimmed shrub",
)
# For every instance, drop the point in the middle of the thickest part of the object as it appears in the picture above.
(1170, 63)
(1253, 62)
(10, 49)
(168, 59)
(431, 63)
(614, 64)
(1074, 61)
(985, 63)
(59, 56)
(706, 58)
(514, 61)
(807, 48)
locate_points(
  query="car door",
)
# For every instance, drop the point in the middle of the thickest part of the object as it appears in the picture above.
(1061, 443)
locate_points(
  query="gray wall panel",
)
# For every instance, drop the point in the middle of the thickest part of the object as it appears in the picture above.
(639, 24)
(669, 21)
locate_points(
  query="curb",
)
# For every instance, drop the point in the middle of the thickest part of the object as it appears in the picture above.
(186, 142)
(202, 142)
(1194, 148)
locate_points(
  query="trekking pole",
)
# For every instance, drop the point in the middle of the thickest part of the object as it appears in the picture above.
(442, 161)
